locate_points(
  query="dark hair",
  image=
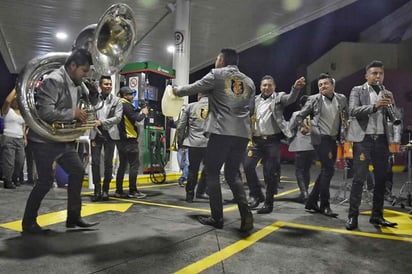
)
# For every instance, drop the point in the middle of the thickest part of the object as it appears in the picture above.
(80, 57)
(103, 77)
(230, 57)
(326, 76)
(267, 77)
(374, 64)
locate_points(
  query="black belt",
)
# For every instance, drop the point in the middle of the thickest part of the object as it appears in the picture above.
(375, 136)
(268, 137)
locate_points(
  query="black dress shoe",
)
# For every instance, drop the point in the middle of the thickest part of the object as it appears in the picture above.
(96, 198)
(254, 202)
(189, 197)
(202, 196)
(351, 223)
(312, 207)
(80, 223)
(105, 196)
(232, 201)
(210, 221)
(327, 211)
(381, 221)
(34, 229)
(265, 209)
(247, 223)
(9, 185)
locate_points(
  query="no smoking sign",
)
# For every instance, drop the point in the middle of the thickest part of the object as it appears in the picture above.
(133, 82)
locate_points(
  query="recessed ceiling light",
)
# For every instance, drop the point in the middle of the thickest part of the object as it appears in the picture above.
(61, 35)
(170, 49)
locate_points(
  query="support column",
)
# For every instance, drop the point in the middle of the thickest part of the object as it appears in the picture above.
(181, 60)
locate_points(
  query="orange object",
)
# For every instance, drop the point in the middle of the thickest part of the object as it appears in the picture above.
(339, 153)
(348, 150)
(394, 148)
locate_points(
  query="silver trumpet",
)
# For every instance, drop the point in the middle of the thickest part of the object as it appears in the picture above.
(391, 110)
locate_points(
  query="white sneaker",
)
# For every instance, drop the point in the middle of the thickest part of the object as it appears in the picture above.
(137, 194)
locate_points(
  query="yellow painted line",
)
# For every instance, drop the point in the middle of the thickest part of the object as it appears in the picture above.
(60, 216)
(403, 220)
(344, 231)
(229, 251)
(161, 205)
(238, 246)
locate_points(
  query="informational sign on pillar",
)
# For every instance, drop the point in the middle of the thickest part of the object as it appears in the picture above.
(179, 41)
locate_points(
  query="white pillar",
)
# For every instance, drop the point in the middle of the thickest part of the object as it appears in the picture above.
(181, 58)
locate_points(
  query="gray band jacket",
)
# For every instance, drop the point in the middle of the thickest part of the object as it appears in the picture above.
(110, 115)
(313, 107)
(54, 100)
(280, 100)
(191, 126)
(231, 100)
(360, 108)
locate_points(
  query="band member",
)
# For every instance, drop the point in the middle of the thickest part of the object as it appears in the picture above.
(268, 127)
(304, 152)
(104, 136)
(191, 134)
(371, 130)
(231, 102)
(57, 100)
(330, 113)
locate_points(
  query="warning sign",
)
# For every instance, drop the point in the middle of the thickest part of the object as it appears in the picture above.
(134, 83)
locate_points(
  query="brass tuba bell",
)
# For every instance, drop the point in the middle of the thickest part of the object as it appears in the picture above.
(110, 42)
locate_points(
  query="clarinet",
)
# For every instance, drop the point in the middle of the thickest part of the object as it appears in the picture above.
(393, 115)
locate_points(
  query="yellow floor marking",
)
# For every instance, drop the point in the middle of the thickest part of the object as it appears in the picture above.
(161, 205)
(60, 216)
(242, 244)
(403, 220)
(344, 231)
(229, 251)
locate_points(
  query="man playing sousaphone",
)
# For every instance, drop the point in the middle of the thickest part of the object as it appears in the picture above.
(57, 99)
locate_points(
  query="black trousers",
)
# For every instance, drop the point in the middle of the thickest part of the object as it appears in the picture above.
(128, 155)
(268, 151)
(196, 156)
(68, 158)
(228, 150)
(303, 163)
(326, 152)
(108, 145)
(372, 150)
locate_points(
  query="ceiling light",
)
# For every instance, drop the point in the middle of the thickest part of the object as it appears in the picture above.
(170, 49)
(61, 35)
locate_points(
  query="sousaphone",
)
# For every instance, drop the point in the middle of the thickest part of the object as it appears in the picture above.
(110, 42)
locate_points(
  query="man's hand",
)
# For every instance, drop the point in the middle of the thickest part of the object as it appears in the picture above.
(383, 102)
(97, 123)
(80, 115)
(145, 111)
(300, 83)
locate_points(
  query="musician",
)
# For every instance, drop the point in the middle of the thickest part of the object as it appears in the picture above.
(191, 134)
(371, 131)
(329, 110)
(104, 136)
(231, 102)
(57, 100)
(268, 128)
(304, 152)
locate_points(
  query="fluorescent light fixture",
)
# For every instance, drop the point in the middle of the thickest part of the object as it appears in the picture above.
(61, 35)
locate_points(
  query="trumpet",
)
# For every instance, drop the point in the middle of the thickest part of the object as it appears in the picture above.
(173, 146)
(391, 111)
